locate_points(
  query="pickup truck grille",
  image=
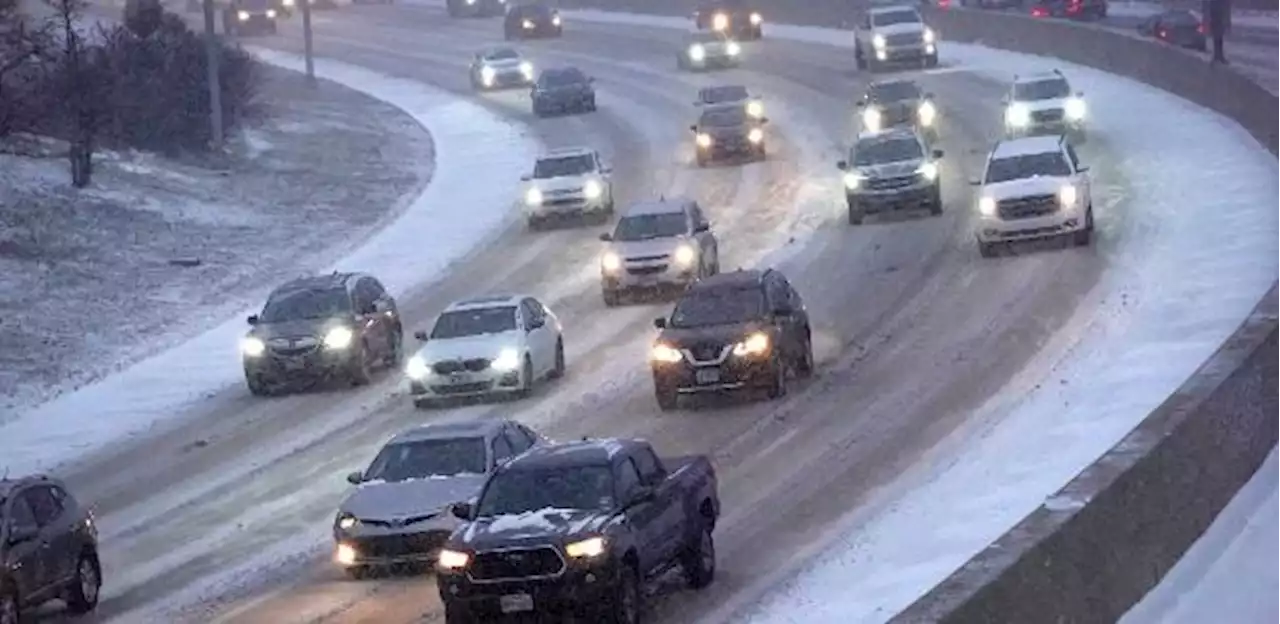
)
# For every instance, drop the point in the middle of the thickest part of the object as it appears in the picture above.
(474, 365)
(1048, 116)
(889, 184)
(901, 39)
(1027, 207)
(517, 564)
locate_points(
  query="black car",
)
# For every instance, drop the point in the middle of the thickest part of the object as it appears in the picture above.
(531, 21)
(48, 548)
(1181, 28)
(731, 17)
(726, 131)
(563, 90)
(745, 330)
(1069, 9)
(896, 104)
(476, 8)
(342, 326)
(250, 17)
(577, 529)
(889, 171)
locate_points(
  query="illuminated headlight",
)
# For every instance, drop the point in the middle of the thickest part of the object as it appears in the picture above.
(345, 555)
(756, 20)
(1068, 195)
(987, 207)
(592, 190)
(508, 360)
(871, 119)
(527, 24)
(287, 3)
(852, 181)
(697, 52)
(755, 344)
(526, 68)
(416, 368)
(720, 21)
(346, 521)
(252, 347)
(243, 15)
(533, 197)
(665, 354)
(593, 547)
(271, 13)
(684, 256)
(452, 559)
(555, 21)
(756, 135)
(338, 338)
(704, 139)
(610, 262)
(928, 113)
(1076, 109)
(470, 2)
(1017, 115)
(755, 109)
(929, 37)
(879, 42)
(928, 171)
(732, 48)
(487, 73)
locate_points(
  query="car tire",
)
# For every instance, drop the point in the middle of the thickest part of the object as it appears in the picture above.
(456, 615)
(935, 203)
(698, 562)
(526, 378)
(396, 354)
(668, 399)
(258, 386)
(591, 104)
(10, 610)
(856, 213)
(624, 606)
(931, 61)
(778, 384)
(1084, 237)
(612, 298)
(359, 372)
(804, 364)
(558, 371)
(986, 250)
(357, 572)
(82, 593)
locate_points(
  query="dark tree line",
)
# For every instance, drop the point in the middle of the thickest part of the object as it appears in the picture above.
(143, 84)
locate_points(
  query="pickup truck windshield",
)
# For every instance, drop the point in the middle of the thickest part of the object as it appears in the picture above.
(518, 491)
(726, 117)
(563, 166)
(428, 458)
(890, 18)
(1041, 90)
(715, 95)
(475, 322)
(705, 307)
(1028, 166)
(878, 152)
(650, 226)
(306, 305)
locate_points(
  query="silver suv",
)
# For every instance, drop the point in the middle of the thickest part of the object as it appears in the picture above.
(1043, 104)
(655, 245)
(571, 181)
(894, 34)
(893, 170)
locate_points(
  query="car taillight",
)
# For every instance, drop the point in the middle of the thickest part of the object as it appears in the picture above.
(1200, 28)
(1039, 12)
(943, 4)
(1164, 34)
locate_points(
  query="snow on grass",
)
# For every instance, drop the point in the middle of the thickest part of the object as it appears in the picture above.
(453, 214)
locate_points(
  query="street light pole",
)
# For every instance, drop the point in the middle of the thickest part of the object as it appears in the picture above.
(211, 64)
(306, 38)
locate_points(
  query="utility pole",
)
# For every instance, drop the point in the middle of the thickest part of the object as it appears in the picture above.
(215, 86)
(306, 38)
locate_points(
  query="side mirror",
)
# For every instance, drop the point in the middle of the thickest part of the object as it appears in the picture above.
(606, 237)
(1082, 168)
(526, 177)
(842, 165)
(938, 154)
(355, 478)
(420, 335)
(461, 511)
(20, 534)
(253, 319)
(693, 128)
(660, 322)
(702, 227)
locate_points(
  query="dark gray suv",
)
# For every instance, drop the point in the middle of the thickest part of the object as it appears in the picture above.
(340, 326)
(48, 548)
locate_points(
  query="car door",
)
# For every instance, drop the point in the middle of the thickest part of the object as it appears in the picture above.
(59, 542)
(389, 314)
(643, 517)
(536, 329)
(778, 292)
(1081, 174)
(670, 500)
(26, 558)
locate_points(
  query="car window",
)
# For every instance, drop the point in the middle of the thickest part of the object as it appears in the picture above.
(298, 305)
(475, 322)
(724, 305)
(530, 317)
(733, 93)
(375, 288)
(504, 54)
(428, 458)
(890, 18)
(628, 479)
(20, 514)
(650, 226)
(1048, 164)
(528, 433)
(43, 506)
(516, 439)
(651, 472)
(1050, 89)
(502, 450)
(777, 290)
(514, 491)
(562, 166)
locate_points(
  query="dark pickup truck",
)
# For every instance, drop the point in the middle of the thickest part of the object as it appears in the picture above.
(576, 529)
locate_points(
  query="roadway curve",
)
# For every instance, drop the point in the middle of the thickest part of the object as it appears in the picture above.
(912, 330)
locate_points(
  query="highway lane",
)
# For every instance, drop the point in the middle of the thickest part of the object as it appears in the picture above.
(912, 329)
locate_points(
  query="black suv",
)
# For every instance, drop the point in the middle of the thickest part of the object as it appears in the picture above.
(563, 90)
(341, 325)
(728, 130)
(250, 17)
(744, 330)
(899, 104)
(48, 548)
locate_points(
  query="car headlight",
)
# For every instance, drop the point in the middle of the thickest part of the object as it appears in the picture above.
(452, 559)
(526, 68)
(592, 189)
(243, 15)
(346, 521)
(610, 262)
(732, 48)
(704, 139)
(929, 171)
(720, 21)
(416, 368)
(555, 21)
(252, 347)
(592, 547)
(755, 344)
(1017, 115)
(852, 180)
(345, 555)
(287, 3)
(755, 109)
(871, 118)
(665, 353)
(338, 338)
(487, 73)
(271, 13)
(533, 197)
(697, 52)
(508, 360)
(1075, 109)
(929, 37)
(756, 135)
(756, 19)
(527, 24)
(684, 255)
(1068, 195)
(987, 207)
(879, 41)
(927, 113)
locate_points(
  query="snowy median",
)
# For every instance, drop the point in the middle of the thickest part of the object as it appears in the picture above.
(451, 217)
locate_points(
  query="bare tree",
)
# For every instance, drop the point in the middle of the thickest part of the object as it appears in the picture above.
(77, 89)
(22, 42)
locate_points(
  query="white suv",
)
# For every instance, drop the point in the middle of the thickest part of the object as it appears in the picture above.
(490, 345)
(571, 181)
(1043, 104)
(1033, 188)
(657, 245)
(892, 34)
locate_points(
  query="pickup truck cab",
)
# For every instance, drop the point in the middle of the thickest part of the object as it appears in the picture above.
(577, 528)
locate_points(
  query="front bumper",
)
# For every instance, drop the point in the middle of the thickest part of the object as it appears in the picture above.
(275, 366)
(909, 52)
(580, 590)
(725, 148)
(505, 80)
(573, 204)
(909, 198)
(734, 373)
(649, 274)
(465, 384)
(380, 547)
(538, 30)
(1064, 221)
(718, 61)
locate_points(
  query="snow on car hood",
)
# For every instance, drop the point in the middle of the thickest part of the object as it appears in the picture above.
(899, 29)
(485, 345)
(562, 183)
(1040, 185)
(1039, 105)
(388, 500)
(664, 246)
(539, 524)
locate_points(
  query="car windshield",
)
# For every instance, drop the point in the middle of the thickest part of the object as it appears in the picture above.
(561, 166)
(1180, 18)
(650, 226)
(1041, 90)
(301, 305)
(718, 306)
(505, 54)
(889, 18)
(256, 5)
(877, 152)
(1028, 166)
(561, 78)
(894, 91)
(532, 10)
(475, 322)
(726, 117)
(715, 95)
(519, 491)
(428, 458)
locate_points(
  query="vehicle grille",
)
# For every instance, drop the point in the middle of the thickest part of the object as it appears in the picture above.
(646, 258)
(400, 545)
(889, 184)
(515, 564)
(706, 351)
(467, 388)
(293, 352)
(1048, 116)
(647, 270)
(474, 365)
(1027, 207)
(904, 39)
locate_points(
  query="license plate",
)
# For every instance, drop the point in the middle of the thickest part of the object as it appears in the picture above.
(708, 375)
(516, 603)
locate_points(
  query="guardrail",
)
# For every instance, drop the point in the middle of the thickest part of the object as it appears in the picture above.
(1097, 547)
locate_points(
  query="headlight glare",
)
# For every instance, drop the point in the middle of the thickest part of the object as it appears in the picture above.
(252, 347)
(929, 171)
(338, 338)
(533, 197)
(704, 139)
(527, 24)
(878, 41)
(1017, 115)
(852, 180)
(755, 344)
(271, 13)
(732, 48)
(416, 368)
(243, 15)
(592, 189)
(452, 559)
(347, 521)
(526, 68)
(665, 354)
(928, 113)
(720, 21)
(610, 262)
(555, 21)
(344, 555)
(592, 547)
(487, 73)
(929, 37)
(684, 255)
(1075, 109)
(1068, 195)
(755, 108)
(507, 360)
(871, 119)
(756, 19)
(987, 207)
(756, 135)
(697, 52)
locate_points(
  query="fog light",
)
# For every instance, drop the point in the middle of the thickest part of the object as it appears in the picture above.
(344, 555)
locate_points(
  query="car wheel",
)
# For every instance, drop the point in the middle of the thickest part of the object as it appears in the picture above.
(9, 610)
(526, 378)
(778, 385)
(699, 560)
(668, 398)
(558, 371)
(396, 354)
(856, 213)
(357, 572)
(935, 203)
(612, 298)
(536, 223)
(986, 250)
(258, 386)
(1083, 237)
(455, 615)
(804, 364)
(860, 60)
(625, 606)
(360, 373)
(82, 594)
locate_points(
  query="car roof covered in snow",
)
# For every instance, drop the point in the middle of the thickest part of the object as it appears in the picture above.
(666, 205)
(1039, 76)
(443, 431)
(565, 152)
(488, 301)
(589, 452)
(331, 281)
(1027, 146)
